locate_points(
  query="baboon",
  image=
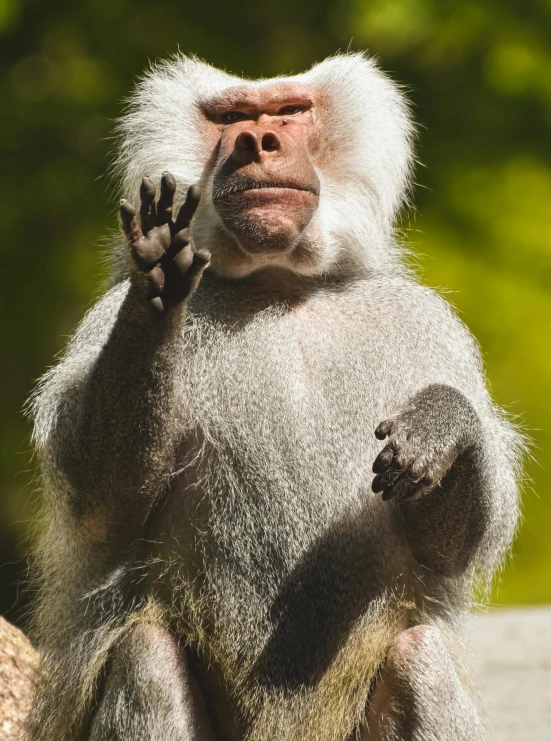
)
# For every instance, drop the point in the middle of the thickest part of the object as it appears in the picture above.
(218, 559)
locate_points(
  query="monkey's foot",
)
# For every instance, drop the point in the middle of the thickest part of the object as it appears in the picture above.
(424, 440)
(163, 262)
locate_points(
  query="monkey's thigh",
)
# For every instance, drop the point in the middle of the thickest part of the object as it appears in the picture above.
(150, 693)
(419, 696)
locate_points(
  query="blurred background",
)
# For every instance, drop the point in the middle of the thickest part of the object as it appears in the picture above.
(479, 75)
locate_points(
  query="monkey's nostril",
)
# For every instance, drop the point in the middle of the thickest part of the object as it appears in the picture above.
(270, 141)
(247, 141)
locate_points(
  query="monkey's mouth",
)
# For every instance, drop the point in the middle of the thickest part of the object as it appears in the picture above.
(265, 215)
(244, 184)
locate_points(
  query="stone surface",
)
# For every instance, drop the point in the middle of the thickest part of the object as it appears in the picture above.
(513, 671)
(17, 661)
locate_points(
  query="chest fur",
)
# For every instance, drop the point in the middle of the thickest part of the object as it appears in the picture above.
(288, 565)
(272, 503)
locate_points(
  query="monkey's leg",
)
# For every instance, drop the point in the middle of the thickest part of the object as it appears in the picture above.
(150, 693)
(419, 696)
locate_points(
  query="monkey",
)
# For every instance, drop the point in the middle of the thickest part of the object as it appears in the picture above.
(273, 472)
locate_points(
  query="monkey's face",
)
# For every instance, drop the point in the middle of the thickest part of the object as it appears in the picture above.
(263, 184)
(304, 173)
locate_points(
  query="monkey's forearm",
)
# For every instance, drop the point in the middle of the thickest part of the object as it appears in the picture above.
(433, 465)
(447, 524)
(115, 454)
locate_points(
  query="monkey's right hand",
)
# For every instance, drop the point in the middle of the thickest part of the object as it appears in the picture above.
(164, 267)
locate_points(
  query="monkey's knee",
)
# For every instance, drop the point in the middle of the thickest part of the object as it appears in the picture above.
(414, 652)
(150, 692)
(419, 695)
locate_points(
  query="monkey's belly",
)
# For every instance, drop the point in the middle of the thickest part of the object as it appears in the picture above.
(288, 606)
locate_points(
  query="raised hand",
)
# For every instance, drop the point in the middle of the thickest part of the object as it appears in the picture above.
(168, 270)
(424, 440)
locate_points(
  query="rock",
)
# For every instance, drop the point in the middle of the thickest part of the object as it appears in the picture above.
(17, 662)
(513, 672)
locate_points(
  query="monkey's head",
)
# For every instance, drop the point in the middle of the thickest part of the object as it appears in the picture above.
(306, 172)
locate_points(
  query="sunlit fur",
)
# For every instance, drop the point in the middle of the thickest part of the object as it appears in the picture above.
(364, 140)
(268, 539)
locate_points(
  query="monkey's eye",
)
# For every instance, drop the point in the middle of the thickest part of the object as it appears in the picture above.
(291, 110)
(233, 116)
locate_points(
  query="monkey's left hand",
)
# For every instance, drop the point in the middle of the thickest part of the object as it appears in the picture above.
(424, 439)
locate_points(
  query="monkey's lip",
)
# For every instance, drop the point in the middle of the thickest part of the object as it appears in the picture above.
(260, 185)
(263, 197)
(272, 187)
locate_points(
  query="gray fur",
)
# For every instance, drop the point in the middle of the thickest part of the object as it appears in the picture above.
(213, 476)
(149, 692)
(418, 702)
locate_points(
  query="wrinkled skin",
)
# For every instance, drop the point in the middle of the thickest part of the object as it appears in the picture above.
(265, 187)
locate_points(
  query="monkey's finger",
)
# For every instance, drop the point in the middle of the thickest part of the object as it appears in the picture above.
(390, 492)
(166, 199)
(201, 258)
(416, 488)
(147, 204)
(129, 222)
(384, 429)
(376, 485)
(155, 282)
(183, 260)
(384, 460)
(187, 210)
(396, 486)
(191, 265)
(158, 307)
(401, 487)
(383, 480)
(178, 242)
(147, 252)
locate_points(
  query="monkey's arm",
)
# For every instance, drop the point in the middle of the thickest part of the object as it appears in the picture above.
(105, 423)
(440, 465)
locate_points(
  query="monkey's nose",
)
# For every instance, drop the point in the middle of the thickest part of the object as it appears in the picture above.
(261, 141)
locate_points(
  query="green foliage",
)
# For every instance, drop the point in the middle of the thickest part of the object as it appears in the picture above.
(479, 75)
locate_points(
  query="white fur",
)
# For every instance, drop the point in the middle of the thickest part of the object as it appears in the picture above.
(367, 122)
